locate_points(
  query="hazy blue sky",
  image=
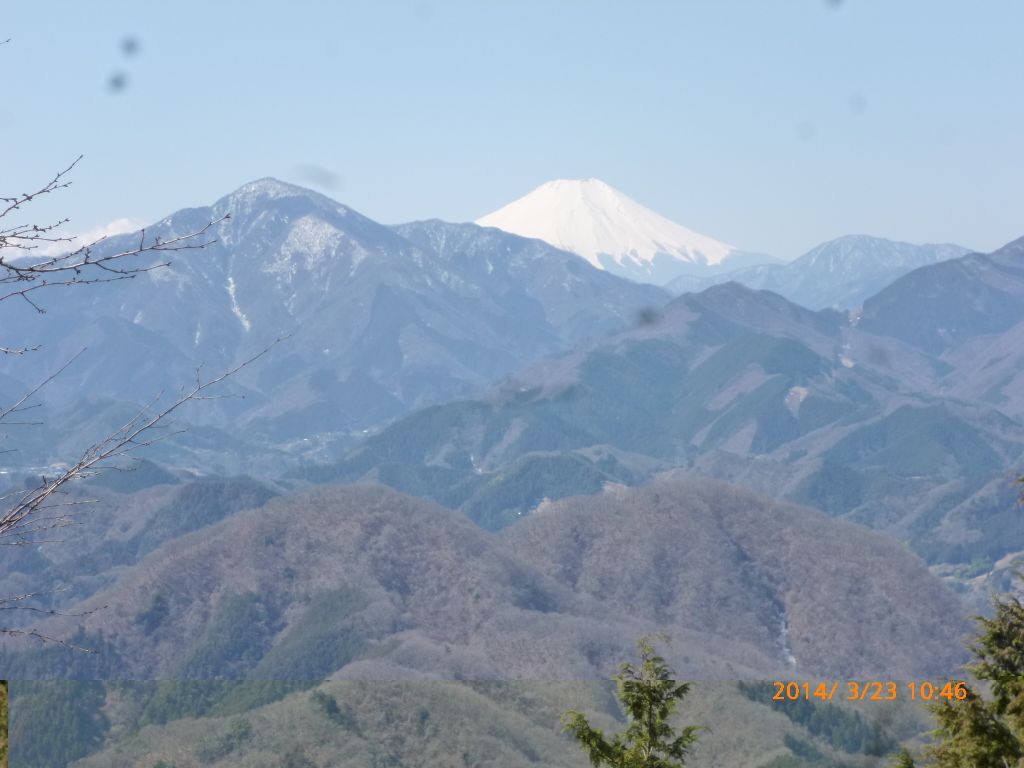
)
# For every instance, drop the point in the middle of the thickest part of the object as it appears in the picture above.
(771, 125)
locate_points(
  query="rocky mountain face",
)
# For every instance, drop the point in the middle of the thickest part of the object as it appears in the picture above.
(840, 274)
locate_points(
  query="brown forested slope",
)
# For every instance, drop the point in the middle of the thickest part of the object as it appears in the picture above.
(365, 582)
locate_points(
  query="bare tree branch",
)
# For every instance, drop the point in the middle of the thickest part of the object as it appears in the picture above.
(136, 433)
(24, 520)
(20, 406)
(27, 266)
(79, 266)
(12, 603)
(45, 639)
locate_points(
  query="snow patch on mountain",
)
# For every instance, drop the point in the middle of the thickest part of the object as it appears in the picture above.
(310, 243)
(237, 310)
(612, 231)
(312, 239)
(265, 189)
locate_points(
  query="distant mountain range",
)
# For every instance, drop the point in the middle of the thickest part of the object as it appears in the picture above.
(383, 320)
(841, 273)
(391, 323)
(527, 441)
(844, 415)
(615, 233)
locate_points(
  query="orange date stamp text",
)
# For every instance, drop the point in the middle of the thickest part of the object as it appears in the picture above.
(870, 690)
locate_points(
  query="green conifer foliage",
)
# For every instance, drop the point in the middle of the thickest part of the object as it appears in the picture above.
(648, 695)
(903, 759)
(978, 732)
(972, 735)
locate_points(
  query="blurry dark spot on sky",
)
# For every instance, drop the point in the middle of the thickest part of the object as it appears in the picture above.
(878, 356)
(647, 316)
(117, 82)
(858, 103)
(805, 131)
(130, 45)
(317, 176)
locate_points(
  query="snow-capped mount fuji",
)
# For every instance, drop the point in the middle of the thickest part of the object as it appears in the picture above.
(615, 233)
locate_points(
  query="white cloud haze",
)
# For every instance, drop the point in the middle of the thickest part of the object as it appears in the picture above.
(89, 236)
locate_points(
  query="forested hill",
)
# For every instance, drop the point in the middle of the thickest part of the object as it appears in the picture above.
(365, 582)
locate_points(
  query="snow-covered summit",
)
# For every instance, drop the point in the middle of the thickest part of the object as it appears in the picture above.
(614, 232)
(261, 192)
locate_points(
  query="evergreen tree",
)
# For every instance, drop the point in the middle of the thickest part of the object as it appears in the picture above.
(972, 735)
(648, 695)
(903, 759)
(1000, 653)
(974, 732)
(979, 733)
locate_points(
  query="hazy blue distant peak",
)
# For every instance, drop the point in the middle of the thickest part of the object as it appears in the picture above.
(1011, 251)
(851, 253)
(943, 306)
(840, 273)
